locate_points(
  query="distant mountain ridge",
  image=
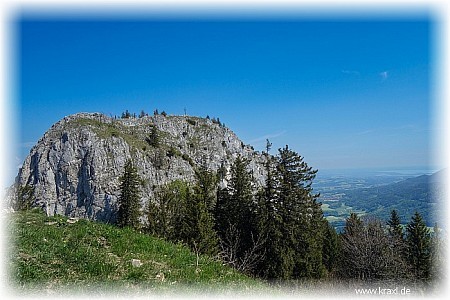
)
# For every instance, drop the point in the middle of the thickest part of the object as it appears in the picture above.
(422, 193)
(74, 169)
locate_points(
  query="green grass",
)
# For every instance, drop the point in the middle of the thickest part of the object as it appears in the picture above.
(51, 252)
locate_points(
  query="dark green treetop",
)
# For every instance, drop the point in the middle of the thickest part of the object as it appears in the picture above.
(129, 201)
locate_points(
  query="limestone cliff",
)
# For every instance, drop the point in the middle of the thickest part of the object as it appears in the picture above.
(74, 168)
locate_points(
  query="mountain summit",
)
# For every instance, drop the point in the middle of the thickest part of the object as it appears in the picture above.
(74, 169)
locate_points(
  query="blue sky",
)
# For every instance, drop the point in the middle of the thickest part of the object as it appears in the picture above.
(343, 93)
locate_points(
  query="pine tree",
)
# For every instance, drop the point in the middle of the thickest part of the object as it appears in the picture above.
(395, 227)
(330, 247)
(351, 239)
(172, 213)
(206, 187)
(270, 224)
(419, 247)
(153, 138)
(205, 193)
(142, 114)
(236, 218)
(207, 239)
(129, 206)
(301, 214)
(397, 247)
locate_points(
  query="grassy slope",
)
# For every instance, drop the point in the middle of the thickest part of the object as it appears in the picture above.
(53, 253)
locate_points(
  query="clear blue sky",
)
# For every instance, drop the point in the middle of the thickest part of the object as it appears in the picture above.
(342, 93)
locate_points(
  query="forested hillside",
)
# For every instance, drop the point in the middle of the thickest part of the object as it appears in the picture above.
(423, 193)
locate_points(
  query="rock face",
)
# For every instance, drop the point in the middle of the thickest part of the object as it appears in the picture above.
(74, 169)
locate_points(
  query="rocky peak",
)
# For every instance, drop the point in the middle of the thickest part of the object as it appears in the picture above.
(74, 168)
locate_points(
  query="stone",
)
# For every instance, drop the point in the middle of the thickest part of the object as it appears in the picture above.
(136, 263)
(75, 168)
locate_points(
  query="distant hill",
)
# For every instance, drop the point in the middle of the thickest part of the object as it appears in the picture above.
(422, 193)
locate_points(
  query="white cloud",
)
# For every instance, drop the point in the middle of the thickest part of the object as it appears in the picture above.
(384, 75)
(267, 136)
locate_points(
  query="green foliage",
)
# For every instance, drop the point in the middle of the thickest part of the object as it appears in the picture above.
(330, 248)
(180, 213)
(172, 152)
(24, 197)
(418, 241)
(406, 197)
(205, 195)
(207, 239)
(126, 114)
(301, 214)
(154, 137)
(394, 226)
(129, 201)
(50, 252)
(166, 213)
(187, 158)
(191, 121)
(236, 219)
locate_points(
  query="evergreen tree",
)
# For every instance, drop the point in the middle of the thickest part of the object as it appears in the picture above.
(270, 224)
(301, 214)
(126, 114)
(397, 247)
(419, 247)
(352, 238)
(153, 138)
(395, 227)
(235, 218)
(207, 239)
(330, 248)
(205, 193)
(129, 212)
(170, 214)
(205, 189)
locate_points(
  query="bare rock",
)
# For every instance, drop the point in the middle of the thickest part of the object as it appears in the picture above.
(74, 169)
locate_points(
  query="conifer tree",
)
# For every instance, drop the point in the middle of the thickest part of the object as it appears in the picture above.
(330, 247)
(269, 221)
(205, 193)
(395, 228)
(153, 138)
(397, 249)
(236, 218)
(142, 114)
(351, 239)
(205, 189)
(129, 212)
(301, 214)
(419, 247)
(207, 238)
